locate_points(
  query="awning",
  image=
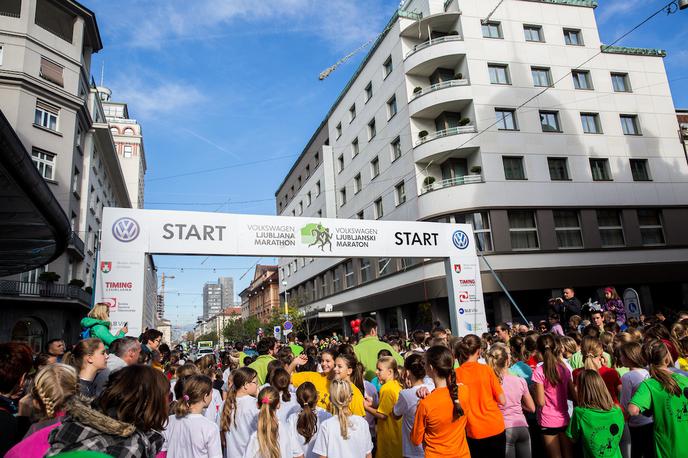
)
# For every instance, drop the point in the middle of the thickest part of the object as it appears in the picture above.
(33, 227)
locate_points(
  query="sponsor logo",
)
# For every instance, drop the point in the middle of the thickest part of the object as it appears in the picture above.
(354, 237)
(460, 240)
(416, 239)
(110, 301)
(273, 234)
(464, 296)
(457, 268)
(470, 327)
(192, 232)
(125, 230)
(467, 282)
(106, 267)
(316, 235)
(119, 285)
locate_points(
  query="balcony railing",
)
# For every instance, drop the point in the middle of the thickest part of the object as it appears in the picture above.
(76, 244)
(433, 41)
(469, 129)
(442, 85)
(43, 289)
(456, 181)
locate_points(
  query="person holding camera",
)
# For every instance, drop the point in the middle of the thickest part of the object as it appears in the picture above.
(567, 305)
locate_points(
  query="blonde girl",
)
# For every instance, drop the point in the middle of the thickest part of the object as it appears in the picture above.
(189, 432)
(344, 366)
(597, 422)
(239, 418)
(88, 357)
(305, 424)
(593, 359)
(640, 427)
(517, 397)
(388, 426)
(97, 322)
(53, 387)
(272, 438)
(344, 434)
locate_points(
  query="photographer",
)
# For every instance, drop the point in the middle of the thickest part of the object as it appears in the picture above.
(566, 306)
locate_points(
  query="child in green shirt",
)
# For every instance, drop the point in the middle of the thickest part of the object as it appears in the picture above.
(665, 395)
(596, 422)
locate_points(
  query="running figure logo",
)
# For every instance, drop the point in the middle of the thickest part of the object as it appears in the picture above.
(316, 235)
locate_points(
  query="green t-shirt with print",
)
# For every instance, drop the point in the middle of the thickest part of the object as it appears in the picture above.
(670, 415)
(599, 431)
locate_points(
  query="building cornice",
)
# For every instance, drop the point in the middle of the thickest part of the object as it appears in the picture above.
(648, 52)
(583, 3)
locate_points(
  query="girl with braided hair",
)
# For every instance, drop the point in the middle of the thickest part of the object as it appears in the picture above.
(272, 438)
(53, 386)
(239, 417)
(440, 423)
(305, 424)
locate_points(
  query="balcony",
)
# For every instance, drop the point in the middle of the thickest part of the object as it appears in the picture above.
(469, 129)
(455, 139)
(19, 289)
(431, 42)
(76, 245)
(457, 181)
(438, 86)
(454, 95)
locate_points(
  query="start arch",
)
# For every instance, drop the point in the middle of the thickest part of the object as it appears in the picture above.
(130, 234)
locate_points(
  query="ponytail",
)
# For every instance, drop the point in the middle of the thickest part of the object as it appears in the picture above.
(550, 363)
(391, 363)
(307, 421)
(441, 360)
(280, 380)
(497, 359)
(196, 388)
(268, 441)
(341, 394)
(657, 354)
(239, 378)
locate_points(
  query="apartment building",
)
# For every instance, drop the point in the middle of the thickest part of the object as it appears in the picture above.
(48, 98)
(212, 299)
(559, 151)
(261, 297)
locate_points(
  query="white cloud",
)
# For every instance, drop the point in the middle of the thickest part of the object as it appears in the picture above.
(612, 9)
(154, 96)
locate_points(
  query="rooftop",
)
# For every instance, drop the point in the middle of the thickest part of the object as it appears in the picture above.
(633, 51)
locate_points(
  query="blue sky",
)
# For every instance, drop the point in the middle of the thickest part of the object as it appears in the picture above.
(228, 94)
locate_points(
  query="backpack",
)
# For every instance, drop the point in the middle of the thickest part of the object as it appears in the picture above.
(85, 333)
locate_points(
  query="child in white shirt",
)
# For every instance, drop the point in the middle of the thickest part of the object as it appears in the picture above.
(239, 417)
(305, 424)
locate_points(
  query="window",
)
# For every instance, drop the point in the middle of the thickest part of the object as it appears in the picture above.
(400, 193)
(308, 171)
(379, 211)
(581, 79)
(567, 229)
(392, 107)
(600, 170)
(375, 167)
(481, 227)
(611, 228)
(32, 275)
(591, 123)
(128, 131)
(513, 168)
(369, 92)
(316, 157)
(1, 49)
(349, 274)
(127, 151)
(359, 215)
(336, 284)
(76, 181)
(320, 213)
(340, 163)
(338, 128)
(342, 197)
(323, 286)
(533, 32)
(371, 129)
(388, 66)
(396, 149)
(365, 270)
(558, 168)
(629, 125)
(573, 37)
(384, 266)
(300, 208)
(550, 121)
(44, 162)
(352, 113)
(54, 19)
(492, 30)
(620, 82)
(46, 115)
(358, 185)
(308, 199)
(10, 8)
(354, 147)
(499, 74)
(651, 231)
(506, 119)
(317, 188)
(51, 71)
(523, 230)
(541, 76)
(640, 170)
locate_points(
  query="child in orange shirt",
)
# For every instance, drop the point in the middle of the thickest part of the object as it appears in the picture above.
(388, 427)
(485, 428)
(440, 424)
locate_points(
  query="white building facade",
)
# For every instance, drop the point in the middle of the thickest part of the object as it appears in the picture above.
(560, 152)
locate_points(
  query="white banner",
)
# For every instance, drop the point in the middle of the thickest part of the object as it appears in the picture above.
(128, 234)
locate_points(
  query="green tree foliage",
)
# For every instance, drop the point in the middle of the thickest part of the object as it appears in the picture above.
(210, 336)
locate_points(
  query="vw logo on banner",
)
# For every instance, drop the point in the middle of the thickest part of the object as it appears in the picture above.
(460, 240)
(125, 230)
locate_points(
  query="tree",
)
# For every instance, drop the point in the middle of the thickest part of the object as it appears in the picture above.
(242, 329)
(210, 336)
(189, 336)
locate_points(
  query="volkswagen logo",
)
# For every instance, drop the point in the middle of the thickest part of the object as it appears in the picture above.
(125, 230)
(460, 240)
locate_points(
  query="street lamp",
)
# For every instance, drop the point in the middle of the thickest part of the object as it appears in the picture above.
(286, 299)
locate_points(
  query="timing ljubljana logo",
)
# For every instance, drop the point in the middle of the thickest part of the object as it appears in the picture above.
(460, 240)
(125, 230)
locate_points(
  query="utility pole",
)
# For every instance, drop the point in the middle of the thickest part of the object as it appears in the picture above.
(162, 288)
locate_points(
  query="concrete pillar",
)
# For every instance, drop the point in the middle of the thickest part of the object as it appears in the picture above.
(502, 308)
(380, 317)
(400, 319)
(646, 300)
(346, 329)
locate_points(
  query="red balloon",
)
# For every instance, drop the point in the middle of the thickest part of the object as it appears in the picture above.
(352, 323)
(358, 322)
(356, 329)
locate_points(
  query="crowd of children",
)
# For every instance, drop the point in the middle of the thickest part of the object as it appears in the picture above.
(592, 392)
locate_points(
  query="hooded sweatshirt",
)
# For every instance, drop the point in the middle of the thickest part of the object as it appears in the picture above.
(101, 330)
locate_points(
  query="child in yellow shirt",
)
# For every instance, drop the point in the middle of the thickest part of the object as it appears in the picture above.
(388, 429)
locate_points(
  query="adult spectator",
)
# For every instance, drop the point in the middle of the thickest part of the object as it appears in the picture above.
(123, 352)
(502, 332)
(369, 346)
(296, 349)
(56, 348)
(150, 341)
(98, 324)
(267, 348)
(15, 363)
(567, 305)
